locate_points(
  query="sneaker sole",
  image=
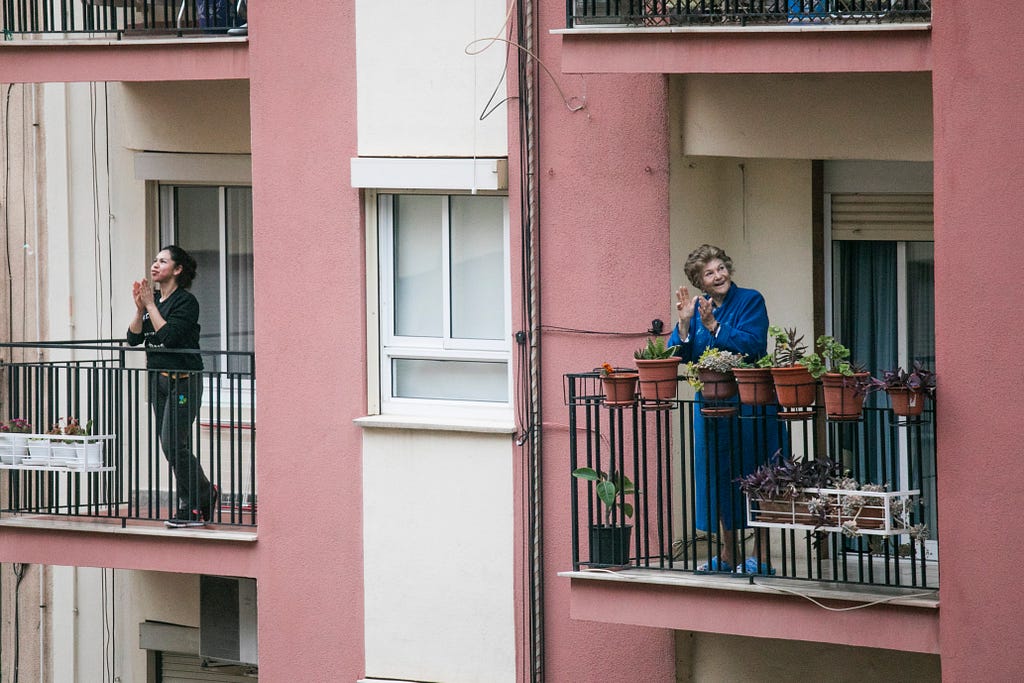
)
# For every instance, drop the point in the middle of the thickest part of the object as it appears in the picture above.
(183, 523)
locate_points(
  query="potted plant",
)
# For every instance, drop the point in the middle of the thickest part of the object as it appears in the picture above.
(843, 386)
(84, 451)
(907, 389)
(619, 385)
(13, 446)
(39, 447)
(712, 375)
(819, 495)
(609, 543)
(795, 388)
(658, 367)
(755, 383)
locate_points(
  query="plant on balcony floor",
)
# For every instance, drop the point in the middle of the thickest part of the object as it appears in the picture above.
(619, 385)
(819, 494)
(609, 543)
(712, 375)
(795, 388)
(658, 367)
(907, 389)
(844, 385)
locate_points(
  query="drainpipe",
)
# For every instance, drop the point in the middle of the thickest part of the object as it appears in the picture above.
(42, 615)
(528, 70)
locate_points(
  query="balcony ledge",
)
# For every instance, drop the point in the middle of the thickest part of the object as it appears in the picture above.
(734, 28)
(134, 528)
(904, 619)
(809, 590)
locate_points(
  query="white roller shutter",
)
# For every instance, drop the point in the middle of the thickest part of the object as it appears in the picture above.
(181, 668)
(882, 216)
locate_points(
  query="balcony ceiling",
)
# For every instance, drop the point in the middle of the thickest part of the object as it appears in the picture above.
(771, 49)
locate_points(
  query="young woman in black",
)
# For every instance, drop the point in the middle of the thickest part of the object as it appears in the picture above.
(171, 322)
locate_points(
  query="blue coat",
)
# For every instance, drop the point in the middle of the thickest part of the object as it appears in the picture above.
(738, 445)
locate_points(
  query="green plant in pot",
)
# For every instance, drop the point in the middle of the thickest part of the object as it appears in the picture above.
(712, 375)
(609, 543)
(658, 367)
(907, 389)
(795, 388)
(844, 385)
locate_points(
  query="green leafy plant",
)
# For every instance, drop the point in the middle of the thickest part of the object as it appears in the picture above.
(611, 490)
(715, 360)
(655, 349)
(789, 348)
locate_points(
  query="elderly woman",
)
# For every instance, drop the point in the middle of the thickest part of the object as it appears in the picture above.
(731, 318)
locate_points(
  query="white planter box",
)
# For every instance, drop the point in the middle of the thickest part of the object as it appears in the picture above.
(53, 452)
(874, 517)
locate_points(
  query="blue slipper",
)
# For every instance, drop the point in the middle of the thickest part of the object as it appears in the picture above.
(715, 565)
(751, 566)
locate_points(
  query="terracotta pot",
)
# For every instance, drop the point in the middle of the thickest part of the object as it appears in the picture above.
(906, 402)
(659, 378)
(787, 511)
(794, 386)
(842, 402)
(718, 388)
(620, 388)
(756, 386)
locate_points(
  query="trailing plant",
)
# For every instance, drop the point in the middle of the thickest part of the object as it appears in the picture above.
(919, 379)
(611, 490)
(715, 360)
(655, 349)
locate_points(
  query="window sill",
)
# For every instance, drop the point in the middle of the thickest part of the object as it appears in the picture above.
(445, 424)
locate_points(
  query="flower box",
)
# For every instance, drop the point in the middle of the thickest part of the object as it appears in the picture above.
(849, 511)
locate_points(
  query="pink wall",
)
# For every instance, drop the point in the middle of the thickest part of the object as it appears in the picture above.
(604, 266)
(979, 149)
(748, 51)
(310, 317)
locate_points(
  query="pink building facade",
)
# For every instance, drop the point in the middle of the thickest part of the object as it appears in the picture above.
(629, 148)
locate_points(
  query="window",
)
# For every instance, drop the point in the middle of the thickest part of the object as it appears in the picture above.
(444, 303)
(214, 224)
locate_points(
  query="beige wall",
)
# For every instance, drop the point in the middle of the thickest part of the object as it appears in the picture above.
(707, 657)
(810, 116)
(437, 552)
(192, 116)
(419, 93)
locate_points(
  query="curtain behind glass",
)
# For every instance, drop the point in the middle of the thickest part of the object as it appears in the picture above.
(921, 325)
(239, 302)
(418, 277)
(196, 230)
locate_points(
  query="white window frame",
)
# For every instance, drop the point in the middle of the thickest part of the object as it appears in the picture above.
(391, 346)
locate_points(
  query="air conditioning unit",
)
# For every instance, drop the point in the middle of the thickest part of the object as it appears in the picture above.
(227, 619)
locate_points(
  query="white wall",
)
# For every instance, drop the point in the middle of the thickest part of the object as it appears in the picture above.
(438, 560)
(419, 93)
(810, 116)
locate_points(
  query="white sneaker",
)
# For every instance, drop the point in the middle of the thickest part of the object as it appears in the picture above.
(242, 30)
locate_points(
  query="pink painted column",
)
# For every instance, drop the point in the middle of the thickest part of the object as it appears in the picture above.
(604, 240)
(979, 149)
(310, 327)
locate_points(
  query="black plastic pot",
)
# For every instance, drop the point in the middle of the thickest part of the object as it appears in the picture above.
(609, 545)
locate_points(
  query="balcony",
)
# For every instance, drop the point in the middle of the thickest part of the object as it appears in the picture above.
(28, 19)
(652, 443)
(129, 484)
(653, 13)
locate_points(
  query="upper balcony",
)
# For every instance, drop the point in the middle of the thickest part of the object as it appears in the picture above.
(746, 36)
(123, 40)
(750, 13)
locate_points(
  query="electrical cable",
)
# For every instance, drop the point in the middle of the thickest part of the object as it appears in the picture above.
(19, 575)
(7, 213)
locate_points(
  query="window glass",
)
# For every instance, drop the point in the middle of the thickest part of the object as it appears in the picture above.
(477, 256)
(418, 276)
(450, 380)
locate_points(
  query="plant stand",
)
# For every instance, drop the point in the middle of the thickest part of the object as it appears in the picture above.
(874, 517)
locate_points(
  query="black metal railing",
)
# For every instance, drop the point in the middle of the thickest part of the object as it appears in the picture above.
(106, 384)
(654, 444)
(120, 17)
(743, 12)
